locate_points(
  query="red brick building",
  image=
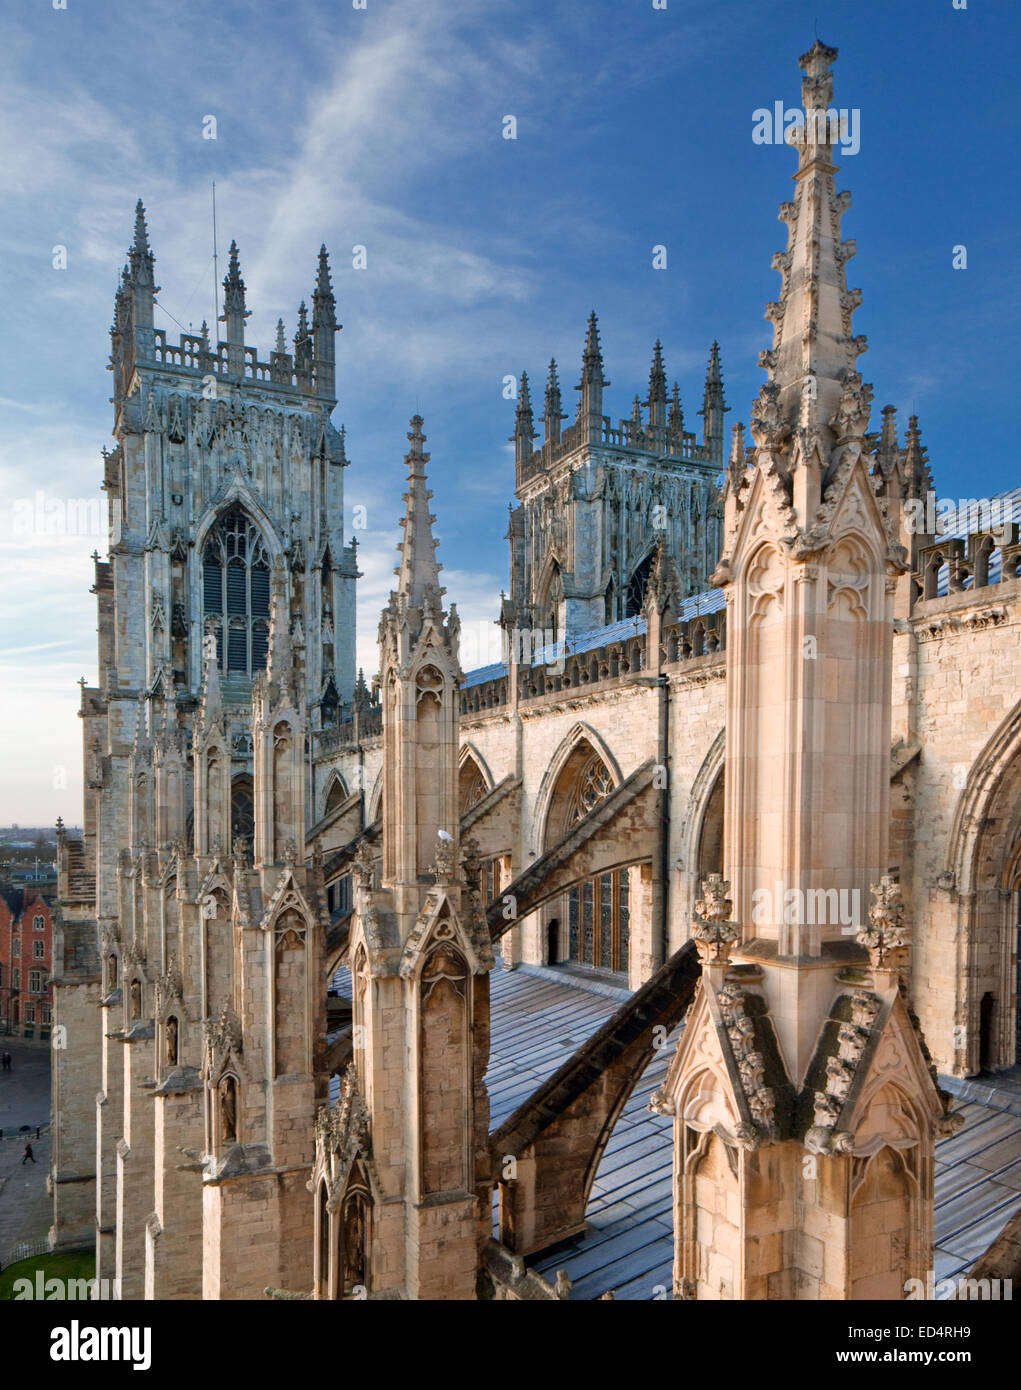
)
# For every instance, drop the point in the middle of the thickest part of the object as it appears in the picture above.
(26, 961)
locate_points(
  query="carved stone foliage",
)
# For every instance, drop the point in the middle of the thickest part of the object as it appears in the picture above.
(342, 1134)
(823, 1136)
(714, 935)
(223, 1041)
(751, 1064)
(364, 867)
(443, 865)
(167, 989)
(436, 924)
(887, 937)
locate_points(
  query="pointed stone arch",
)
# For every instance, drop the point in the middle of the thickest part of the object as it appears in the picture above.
(444, 1005)
(980, 892)
(474, 777)
(290, 923)
(703, 815)
(336, 792)
(549, 598)
(544, 832)
(375, 799)
(638, 584)
(215, 901)
(238, 494)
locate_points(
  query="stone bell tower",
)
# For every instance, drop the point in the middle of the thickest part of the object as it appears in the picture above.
(401, 1171)
(804, 1102)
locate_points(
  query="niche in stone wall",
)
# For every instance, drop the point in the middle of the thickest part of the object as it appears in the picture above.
(881, 1226)
(290, 1003)
(710, 840)
(324, 1248)
(216, 820)
(283, 790)
(355, 1235)
(219, 947)
(172, 918)
(428, 765)
(143, 834)
(714, 1239)
(445, 1084)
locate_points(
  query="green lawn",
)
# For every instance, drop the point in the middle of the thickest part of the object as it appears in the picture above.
(80, 1264)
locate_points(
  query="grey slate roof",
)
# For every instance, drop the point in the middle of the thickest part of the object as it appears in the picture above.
(628, 1248)
(710, 601)
(541, 1017)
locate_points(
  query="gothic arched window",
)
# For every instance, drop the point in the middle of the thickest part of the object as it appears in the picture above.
(242, 807)
(610, 604)
(336, 796)
(636, 588)
(471, 785)
(235, 590)
(594, 785)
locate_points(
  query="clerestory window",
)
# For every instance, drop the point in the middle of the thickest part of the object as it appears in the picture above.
(235, 588)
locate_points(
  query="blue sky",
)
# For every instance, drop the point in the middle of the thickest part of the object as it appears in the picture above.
(382, 127)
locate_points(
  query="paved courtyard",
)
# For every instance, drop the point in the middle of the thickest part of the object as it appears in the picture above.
(25, 1208)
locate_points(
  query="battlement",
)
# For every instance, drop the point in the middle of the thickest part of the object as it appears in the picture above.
(658, 445)
(309, 370)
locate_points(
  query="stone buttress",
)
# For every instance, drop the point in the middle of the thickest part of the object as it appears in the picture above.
(804, 1103)
(401, 1185)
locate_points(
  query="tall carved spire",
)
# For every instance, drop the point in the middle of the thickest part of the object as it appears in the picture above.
(676, 421)
(888, 450)
(280, 359)
(140, 278)
(657, 402)
(324, 326)
(554, 412)
(714, 407)
(592, 382)
(418, 583)
(736, 468)
(813, 384)
(234, 313)
(362, 698)
(142, 258)
(918, 478)
(811, 565)
(303, 349)
(524, 424)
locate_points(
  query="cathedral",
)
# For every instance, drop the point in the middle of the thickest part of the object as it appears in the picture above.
(745, 781)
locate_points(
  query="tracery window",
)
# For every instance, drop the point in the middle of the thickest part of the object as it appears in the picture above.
(242, 808)
(598, 918)
(235, 588)
(636, 588)
(594, 784)
(472, 785)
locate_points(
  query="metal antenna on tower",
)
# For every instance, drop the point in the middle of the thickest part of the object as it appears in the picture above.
(216, 274)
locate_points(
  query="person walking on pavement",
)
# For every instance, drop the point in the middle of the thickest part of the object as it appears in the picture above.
(28, 1155)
